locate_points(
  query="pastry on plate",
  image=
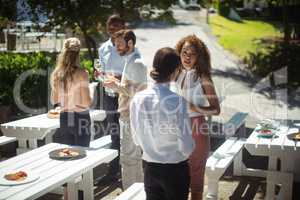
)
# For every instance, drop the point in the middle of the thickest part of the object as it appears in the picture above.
(297, 137)
(54, 113)
(68, 152)
(17, 176)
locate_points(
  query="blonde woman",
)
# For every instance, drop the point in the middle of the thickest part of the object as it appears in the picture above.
(70, 89)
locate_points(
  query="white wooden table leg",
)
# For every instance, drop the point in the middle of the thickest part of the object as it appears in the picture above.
(87, 185)
(72, 191)
(212, 189)
(32, 143)
(92, 130)
(272, 166)
(48, 138)
(272, 163)
(22, 146)
(286, 182)
(287, 165)
(270, 193)
(238, 165)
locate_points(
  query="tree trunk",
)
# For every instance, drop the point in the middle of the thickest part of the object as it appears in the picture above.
(89, 45)
(120, 8)
(286, 27)
(5, 113)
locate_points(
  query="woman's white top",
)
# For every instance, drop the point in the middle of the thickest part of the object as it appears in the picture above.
(188, 85)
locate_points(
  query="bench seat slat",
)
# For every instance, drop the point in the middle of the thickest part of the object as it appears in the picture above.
(6, 140)
(226, 145)
(101, 142)
(224, 163)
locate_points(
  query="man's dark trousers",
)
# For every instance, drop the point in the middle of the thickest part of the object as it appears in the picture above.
(110, 105)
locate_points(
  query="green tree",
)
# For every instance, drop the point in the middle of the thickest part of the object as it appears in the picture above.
(75, 14)
(87, 15)
(8, 12)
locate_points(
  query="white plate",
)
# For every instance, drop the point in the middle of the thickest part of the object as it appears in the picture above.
(30, 178)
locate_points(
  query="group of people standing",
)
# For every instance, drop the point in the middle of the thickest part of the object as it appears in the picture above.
(159, 128)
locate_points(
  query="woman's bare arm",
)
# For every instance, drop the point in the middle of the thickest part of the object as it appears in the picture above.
(54, 98)
(209, 91)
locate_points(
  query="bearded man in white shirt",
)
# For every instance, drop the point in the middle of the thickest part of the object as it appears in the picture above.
(161, 127)
(134, 79)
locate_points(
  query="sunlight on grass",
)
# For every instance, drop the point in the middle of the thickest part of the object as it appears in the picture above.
(240, 38)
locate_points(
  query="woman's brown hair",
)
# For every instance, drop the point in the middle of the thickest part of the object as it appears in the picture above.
(203, 63)
(165, 62)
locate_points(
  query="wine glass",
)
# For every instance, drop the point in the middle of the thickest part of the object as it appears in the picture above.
(99, 75)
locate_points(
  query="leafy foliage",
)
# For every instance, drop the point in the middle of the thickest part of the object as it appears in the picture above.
(34, 88)
(273, 55)
(87, 15)
(7, 12)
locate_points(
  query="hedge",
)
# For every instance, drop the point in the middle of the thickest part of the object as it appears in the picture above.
(34, 68)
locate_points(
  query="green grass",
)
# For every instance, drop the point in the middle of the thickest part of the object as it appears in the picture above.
(240, 38)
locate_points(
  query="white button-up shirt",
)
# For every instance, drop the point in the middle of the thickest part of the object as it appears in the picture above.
(160, 125)
(188, 85)
(110, 60)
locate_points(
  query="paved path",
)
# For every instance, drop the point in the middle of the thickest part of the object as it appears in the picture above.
(242, 92)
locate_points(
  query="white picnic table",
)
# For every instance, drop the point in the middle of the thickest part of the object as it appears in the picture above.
(276, 148)
(31, 129)
(78, 174)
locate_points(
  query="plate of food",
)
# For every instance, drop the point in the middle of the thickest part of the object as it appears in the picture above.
(17, 177)
(267, 128)
(265, 133)
(67, 153)
(294, 136)
(54, 113)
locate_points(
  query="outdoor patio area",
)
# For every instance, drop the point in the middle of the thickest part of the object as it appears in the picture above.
(150, 96)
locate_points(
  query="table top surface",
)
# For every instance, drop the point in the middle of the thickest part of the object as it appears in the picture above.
(52, 173)
(43, 122)
(278, 143)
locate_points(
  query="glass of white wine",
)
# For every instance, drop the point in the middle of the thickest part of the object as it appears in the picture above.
(98, 68)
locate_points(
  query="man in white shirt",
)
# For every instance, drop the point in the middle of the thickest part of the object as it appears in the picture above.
(161, 127)
(134, 79)
(112, 64)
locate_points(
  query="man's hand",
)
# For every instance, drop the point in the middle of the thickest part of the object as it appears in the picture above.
(111, 82)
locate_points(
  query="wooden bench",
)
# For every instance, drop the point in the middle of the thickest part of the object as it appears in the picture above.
(5, 140)
(134, 192)
(219, 161)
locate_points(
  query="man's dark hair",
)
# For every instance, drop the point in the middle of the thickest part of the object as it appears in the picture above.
(165, 62)
(115, 19)
(127, 35)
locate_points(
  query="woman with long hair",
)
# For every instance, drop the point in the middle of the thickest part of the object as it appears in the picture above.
(194, 83)
(70, 90)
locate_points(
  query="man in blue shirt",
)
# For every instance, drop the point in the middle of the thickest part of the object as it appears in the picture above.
(112, 64)
(134, 79)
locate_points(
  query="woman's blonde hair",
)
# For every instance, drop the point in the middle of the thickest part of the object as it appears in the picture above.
(67, 62)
